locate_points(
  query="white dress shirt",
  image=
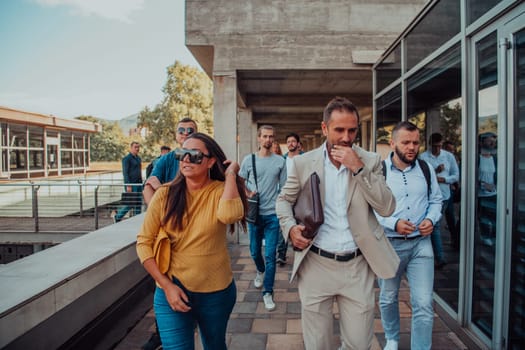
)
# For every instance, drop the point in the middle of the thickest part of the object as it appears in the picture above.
(334, 234)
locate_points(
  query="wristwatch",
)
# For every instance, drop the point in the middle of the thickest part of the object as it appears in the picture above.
(358, 171)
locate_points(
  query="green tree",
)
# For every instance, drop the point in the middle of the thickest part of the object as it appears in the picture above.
(108, 145)
(451, 122)
(187, 93)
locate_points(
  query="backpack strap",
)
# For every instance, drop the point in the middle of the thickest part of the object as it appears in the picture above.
(426, 172)
(254, 172)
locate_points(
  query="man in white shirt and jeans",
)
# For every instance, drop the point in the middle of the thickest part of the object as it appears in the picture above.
(447, 171)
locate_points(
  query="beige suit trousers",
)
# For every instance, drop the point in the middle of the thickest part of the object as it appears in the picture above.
(321, 281)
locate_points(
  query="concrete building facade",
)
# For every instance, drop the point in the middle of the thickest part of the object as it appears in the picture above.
(280, 62)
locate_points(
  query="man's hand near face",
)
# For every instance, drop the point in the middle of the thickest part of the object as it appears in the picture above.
(348, 157)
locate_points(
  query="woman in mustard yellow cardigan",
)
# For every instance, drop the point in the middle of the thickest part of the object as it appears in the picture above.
(183, 246)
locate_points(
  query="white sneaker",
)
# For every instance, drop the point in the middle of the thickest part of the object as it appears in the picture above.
(268, 302)
(258, 281)
(391, 344)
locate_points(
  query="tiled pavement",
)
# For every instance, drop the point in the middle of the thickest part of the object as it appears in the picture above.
(252, 327)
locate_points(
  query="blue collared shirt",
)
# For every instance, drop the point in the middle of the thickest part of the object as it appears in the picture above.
(450, 172)
(166, 168)
(413, 203)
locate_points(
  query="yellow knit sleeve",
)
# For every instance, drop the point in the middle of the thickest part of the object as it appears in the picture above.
(230, 210)
(151, 226)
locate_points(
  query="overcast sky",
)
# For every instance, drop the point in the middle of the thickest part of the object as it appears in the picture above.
(105, 58)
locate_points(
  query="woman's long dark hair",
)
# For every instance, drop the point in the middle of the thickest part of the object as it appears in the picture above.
(176, 201)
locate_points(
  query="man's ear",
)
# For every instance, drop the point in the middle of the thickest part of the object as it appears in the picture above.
(324, 127)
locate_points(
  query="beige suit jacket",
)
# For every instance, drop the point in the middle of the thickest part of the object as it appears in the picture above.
(367, 192)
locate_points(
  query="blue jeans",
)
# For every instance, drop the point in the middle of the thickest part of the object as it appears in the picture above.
(125, 208)
(450, 217)
(417, 261)
(437, 243)
(282, 247)
(267, 227)
(210, 311)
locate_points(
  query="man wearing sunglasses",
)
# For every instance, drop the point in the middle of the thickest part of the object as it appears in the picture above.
(168, 165)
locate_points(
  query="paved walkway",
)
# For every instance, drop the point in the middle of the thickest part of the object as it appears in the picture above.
(252, 327)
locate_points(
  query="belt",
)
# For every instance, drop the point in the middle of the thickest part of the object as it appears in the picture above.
(337, 257)
(405, 237)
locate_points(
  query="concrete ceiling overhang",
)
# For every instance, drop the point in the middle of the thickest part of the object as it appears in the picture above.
(293, 100)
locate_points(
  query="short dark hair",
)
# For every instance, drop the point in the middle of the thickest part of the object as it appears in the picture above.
(404, 125)
(294, 135)
(435, 138)
(188, 120)
(165, 148)
(486, 135)
(340, 104)
(265, 127)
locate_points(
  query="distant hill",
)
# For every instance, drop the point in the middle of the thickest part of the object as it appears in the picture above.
(128, 123)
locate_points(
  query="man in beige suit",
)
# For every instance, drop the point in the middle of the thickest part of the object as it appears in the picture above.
(350, 247)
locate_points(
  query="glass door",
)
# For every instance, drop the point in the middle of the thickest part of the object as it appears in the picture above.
(486, 178)
(514, 36)
(496, 256)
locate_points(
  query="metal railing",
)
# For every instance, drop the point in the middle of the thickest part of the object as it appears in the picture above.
(72, 205)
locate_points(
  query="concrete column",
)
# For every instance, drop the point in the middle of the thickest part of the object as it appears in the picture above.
(225, 112)
(229, 124)
(246, 135)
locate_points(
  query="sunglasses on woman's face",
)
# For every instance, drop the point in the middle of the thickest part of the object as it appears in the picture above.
(195, 156)
(188, 130)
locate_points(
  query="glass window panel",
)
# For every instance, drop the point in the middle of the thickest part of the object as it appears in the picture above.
(3, 130)
(65, 139)
(79, 159)
(17, 159)
(434, 105)
(4, 166)
(436, 28)
(436, 83)
(17, 135)
(78, 142)
(388, 115)
(66, 159)
(486, 196)
(36, 160)
(36, 136)
(477, 8)
(517, 284)
(389, 69)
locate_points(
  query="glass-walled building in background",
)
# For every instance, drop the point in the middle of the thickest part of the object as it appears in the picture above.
(35, 145)
(459, 70)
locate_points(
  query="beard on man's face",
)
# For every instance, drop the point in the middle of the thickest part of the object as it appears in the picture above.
(407, 159)
(267, 145)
